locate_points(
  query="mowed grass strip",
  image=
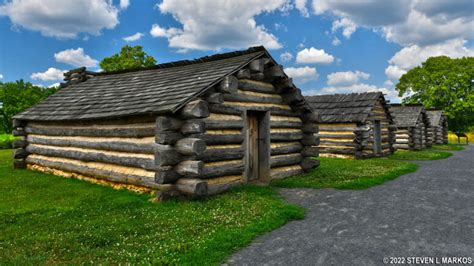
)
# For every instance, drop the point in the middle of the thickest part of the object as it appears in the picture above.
(45, 219)
(447, 147)
(423, 155)
(349, 174)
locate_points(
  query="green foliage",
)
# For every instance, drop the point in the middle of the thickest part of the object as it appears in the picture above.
(447, 147)
(6, 141)
(16, 97)
(349, 174)
(422, 155)
(443, 83)
(45, 219)
(130, 57)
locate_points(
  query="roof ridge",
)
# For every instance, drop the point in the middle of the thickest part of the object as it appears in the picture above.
(207, 58)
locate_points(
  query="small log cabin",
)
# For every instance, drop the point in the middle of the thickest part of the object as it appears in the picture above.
(357, 125)
(412, 127)
(192, 128)
(438, 128)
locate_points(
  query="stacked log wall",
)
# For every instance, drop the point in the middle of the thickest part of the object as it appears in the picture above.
(337, 140)
(378, 113)
(117, 151)
(404, 138)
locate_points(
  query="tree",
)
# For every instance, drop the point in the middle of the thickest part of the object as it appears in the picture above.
(130, 57)
(443, 83)
(16, 97)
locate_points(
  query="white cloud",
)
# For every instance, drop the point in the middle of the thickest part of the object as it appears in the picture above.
(213, 25)
(50, 74)
(301, 6)
(157, 31)
(124, 4)
(75, 57)
(313, 56)
(1, 76)
(390, 94)
(346, 78)
(135, 37)
(302, 74)
(348, 27)
(388, 83)
(406, 22)
(336, 41)
(286, 56)
(54, 85)
(412, 56)
(62, 19)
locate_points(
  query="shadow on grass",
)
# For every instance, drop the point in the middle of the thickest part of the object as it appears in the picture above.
(423, 155)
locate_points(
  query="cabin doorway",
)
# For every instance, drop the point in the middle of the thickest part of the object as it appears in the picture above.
(377, 138)
(257, 164)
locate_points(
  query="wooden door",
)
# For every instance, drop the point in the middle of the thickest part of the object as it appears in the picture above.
(258, 146)
(377, 137)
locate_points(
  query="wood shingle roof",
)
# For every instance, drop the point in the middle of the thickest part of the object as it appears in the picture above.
(407, 115)
(344, 108)
(435, 116)
(160, 89)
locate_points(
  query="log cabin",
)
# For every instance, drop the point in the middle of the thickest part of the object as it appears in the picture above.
(356, 125)
(438, 129)
(193, 128)
(412, 127)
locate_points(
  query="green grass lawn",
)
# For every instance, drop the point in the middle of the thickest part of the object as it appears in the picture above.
(46, 219)
(447, 147)
(349, 174)
(423, 155)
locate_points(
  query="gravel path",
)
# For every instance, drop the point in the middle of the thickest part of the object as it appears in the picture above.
(427, 213)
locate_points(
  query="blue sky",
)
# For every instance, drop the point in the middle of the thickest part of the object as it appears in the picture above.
(327, 46)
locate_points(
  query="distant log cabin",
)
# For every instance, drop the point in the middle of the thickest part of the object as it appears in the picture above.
(438, 128)
(412, 127)
(191, 128)
(357, 125)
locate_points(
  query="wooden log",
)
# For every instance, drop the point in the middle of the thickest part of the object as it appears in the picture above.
(229, 84)
(19, 164)
(193, 127)
(166, 175)
(255, 86)
(285, 124)
(336, 136)
(213, 139)
(275, 109)
(192, 186)
(348, 151)
(284, 85)
(221, 184)
(90, 155)
(235, 167)
(257, 76)
(285, 159)
(338, 128)
(292, 136)
(285, 171)
(243, 73)
(18, 123)
(190, 146)
(310, 140)
(190, 168)
(310, 151)
(20, 153)
(168, 138)
(223, 109)
(195, 109)
(338, 143)
(107, 172)
(310, 118)
(310, 128)
(212, 155)
(19, 144)
(293, 97)
(166, 124)
(256, 66)
(18, 132)
(291, 147)
(274, 72)
(215, 97)
(251, 98)
(131, 132)
(109, 144)
(309, 163)
(167, 155)
(224, 124)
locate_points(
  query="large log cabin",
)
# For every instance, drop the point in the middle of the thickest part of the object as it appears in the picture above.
(356, 125)
(412, 127)
(438, 129)
(192, 128)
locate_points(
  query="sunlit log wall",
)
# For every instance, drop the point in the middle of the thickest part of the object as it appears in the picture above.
(198, 150)
(416, 137)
